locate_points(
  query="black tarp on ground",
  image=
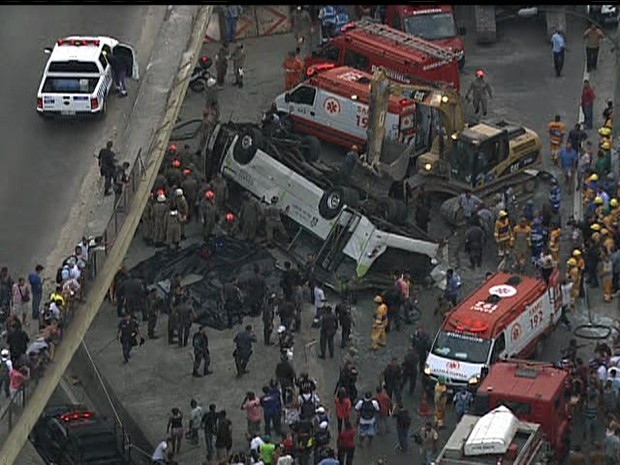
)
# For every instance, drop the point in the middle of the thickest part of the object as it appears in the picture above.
(217, 262)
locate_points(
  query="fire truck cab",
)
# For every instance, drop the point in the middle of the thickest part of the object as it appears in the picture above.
(407, 59)
(434, 23)
(506, 317)
(534, 392)
(333, 105)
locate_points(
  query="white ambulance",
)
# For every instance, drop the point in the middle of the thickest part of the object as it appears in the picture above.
(78, 77)
(506, 317)
(333, 105)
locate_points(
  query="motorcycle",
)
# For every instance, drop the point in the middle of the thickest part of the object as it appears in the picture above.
(201, 74)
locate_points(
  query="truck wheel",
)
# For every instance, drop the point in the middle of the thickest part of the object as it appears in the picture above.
(311, 148)
(394, 211)
(286, 122)
(246, 146)
(198, 85)
(334, 199)
(451, 212)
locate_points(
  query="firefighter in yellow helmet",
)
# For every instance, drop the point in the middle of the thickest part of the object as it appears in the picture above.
(522, 243)
(581, 263)
(503, 234)
(379, 324)
(554, 242)
(599, 210)
(573, 276)
(607, 275)
(614, 209)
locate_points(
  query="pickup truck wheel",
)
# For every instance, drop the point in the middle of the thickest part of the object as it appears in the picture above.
(311, 148)
(334, 199)
(247, 145)
(393, 211)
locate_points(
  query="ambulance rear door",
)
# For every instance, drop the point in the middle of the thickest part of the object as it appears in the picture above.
(302, 107)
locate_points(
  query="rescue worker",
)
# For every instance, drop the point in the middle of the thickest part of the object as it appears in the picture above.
(557, 131)
(148, 221)
(267, 317)
(329, 326)
(522, 242)
(179, 202)
(301, 25)
(173, 174)
(200, 342)
(190, 191)
(327, 17)
(555, 195)
(441, 400)
(160, 212)
(479, 87)
(474, 241)
(273, 221)
(573, 276)
(210, 113)
(243, 349)
(185, 318)
(607, 275)
(538, 239)
(348, 165)
(238, 59)
(503, 234)
(379, 325)
(221, 63)
(152, 312)
(603, 159)
(173, 228)
(554, 241)
(211, 94)
(293, 69)
(609, 243)
(229, 224)
(220, 189)
(207, 212)
(249, 216)
(343, 312)
(232, 300)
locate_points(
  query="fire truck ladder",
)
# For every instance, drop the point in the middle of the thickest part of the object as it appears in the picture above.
(331, 253)
(408, 40)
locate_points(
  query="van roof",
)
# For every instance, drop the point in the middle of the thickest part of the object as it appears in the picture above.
(348, 81)
(484, 311)
(538, 381)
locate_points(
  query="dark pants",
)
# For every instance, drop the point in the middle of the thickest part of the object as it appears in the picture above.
(587, 116)
(108, 178)
(394, 318)
(345, 456)
(4, 386)
(412, 378)
(36, 304)
(126, 345)
(241, 362)
(591, 58)
(209, 444)
(403, 438)
(327, 340)
(183, 330)
(475, 257)
(346, 334)
(198, 358)
(394, 390)
(152, 324)
(558, 62)
(233, 312)
(275, 422)
(616, 281)
(267, 330)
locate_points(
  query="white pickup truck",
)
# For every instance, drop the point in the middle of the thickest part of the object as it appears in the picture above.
(330, 215)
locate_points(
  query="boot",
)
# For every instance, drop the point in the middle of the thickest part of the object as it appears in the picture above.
(195, 374)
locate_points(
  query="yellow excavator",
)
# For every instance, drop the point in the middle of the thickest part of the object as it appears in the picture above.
(487, 157)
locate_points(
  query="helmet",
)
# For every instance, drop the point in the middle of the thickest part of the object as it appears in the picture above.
(604, 231)
(604, 131)
(613, 202)
(281, 329)
(176, 163)
(160, 192)
(606, 145)
(187, 171)
(479, 73)
(210, 194)
(503, 213)
(323, 425)
(594, 177)
(178, 192)
(598, 200)
(211, 82)
(172, 148)
(378, 299)
(320, 409)
(161, 198)
(595, 227)
(571, 262)
(5, 353)
(230, 217)
(576, 253)
(355, 148)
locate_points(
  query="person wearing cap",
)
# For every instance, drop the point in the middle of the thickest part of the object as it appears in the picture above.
(173, 228)
(220, 188)
(479, 88)
(554, 241)
(503, 234)
(207, 212)
(573, 276)
(190, 188)
(6, 365)
(174, 173)
(322, 452)
(558, 47)
(379, 325)
(348, 165)
(160, 212)
(180, 204)
(273, 221)
(587, 104)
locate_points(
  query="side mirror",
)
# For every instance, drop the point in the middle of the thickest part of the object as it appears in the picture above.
(48, 50)
(287, 97)
(462, 31)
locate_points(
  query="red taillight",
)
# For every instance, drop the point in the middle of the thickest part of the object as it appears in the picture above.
(94, 103)
(39, 102)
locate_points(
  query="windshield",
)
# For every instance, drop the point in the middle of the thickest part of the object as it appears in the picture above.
(433, 26)
(461, 162)
(73, 85)
(462, 347)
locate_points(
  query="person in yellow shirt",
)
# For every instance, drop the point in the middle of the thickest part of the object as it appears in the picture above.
(557, 130)
(56, 296)
(503, 234)
(379, 324)
(574, 277)
(522, 243)
(554, 242)
(614, 207)
(609, 243)
(607, 275)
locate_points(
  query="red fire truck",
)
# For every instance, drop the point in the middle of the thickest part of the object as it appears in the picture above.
(534, 392)
(407, 59)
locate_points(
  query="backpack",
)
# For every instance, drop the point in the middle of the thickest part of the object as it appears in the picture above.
(367, 411)
(308, 408)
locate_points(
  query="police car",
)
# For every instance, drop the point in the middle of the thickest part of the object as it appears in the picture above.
(78, 76)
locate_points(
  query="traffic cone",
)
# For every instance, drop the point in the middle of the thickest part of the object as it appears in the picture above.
(424, 410)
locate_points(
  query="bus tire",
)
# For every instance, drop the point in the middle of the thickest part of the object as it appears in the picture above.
(333, 200)
(247, 145)
(310, 148)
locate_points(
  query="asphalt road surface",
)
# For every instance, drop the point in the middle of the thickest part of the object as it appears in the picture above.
(45, 162)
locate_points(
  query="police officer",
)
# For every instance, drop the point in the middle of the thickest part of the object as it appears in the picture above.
(267, 316)
(257, 287)
(173, 228)
(343, 312)
(107, 166)
(200, 341)
(208, 213)
(232, 300)
(152, 312)
(329, 326)
(273, 221)
(185, 317)
(135, 296)
(348, 379)
(128, 333)
(148, 221)
(249, 216)
(160, 212)
(243, 349)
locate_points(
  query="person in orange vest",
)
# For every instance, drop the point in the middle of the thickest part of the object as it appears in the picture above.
(522, 243)
(574, 277)
(554, 242)
(503, 234)
(557, 130)
(293, 67)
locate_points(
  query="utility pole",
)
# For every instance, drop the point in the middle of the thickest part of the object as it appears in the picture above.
(377, 113)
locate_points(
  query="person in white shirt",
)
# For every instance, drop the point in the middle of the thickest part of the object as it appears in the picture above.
(160, 456)
(255, 444)
(319, 299)
(367, 408)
